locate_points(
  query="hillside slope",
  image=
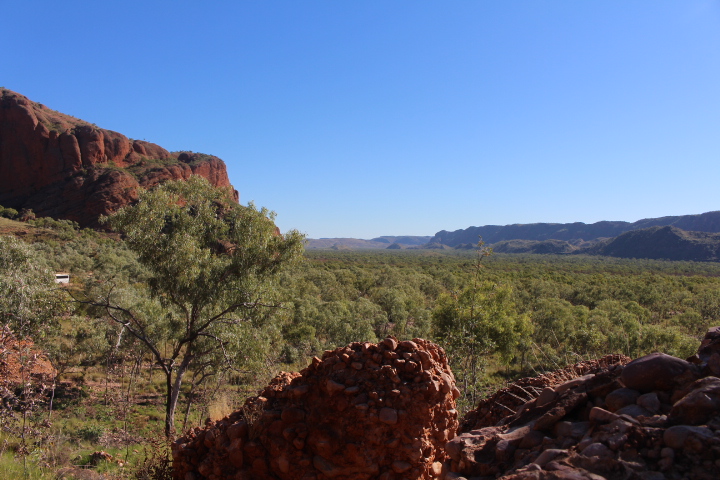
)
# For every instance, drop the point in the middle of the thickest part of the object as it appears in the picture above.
(668, 243)
(63, 167)
(657, 243)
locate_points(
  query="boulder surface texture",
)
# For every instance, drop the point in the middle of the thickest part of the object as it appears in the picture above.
(655, 418)
(366, 411)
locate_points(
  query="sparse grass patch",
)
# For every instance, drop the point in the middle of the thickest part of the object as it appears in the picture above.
(220, 407)
(12, 467)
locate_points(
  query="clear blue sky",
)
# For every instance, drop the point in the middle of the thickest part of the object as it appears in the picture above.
(393, 117)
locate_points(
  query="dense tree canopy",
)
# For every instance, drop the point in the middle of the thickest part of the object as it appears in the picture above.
(521, 313)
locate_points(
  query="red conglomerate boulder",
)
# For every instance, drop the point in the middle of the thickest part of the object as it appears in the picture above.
(654, 418)
(366, 411)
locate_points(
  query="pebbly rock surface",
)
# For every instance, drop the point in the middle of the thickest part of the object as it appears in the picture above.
(64, 167)
(655, 418)
(366, 411)
(508, 400)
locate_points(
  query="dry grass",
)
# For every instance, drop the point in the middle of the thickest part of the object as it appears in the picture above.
(11, 227)
(220, 407)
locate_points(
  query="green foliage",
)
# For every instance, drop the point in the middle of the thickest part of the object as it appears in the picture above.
(578, 307)
(481, 321)
(89, 432)
(8, 212)
(177, 268)
(65, 229)
(667, 339)
(204, 251)
(334, 304)
(12, 467)
(80, 342)
(210, 266)
(28, 302)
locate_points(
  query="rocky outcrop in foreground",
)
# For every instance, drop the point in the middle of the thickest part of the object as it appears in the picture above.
(656, 418)
(386, 411)
(366, 411)
(63, 167)
(511, 398)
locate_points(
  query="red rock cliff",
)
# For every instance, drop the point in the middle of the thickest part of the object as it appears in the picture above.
(64, 167)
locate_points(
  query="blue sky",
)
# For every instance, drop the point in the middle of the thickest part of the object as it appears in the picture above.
(368, 118)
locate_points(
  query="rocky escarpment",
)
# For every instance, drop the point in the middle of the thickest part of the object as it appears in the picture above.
(659, 243)
(534, 246)
(366, 411)
(63, 167)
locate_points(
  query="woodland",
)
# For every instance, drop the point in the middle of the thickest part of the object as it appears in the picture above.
(129, 376)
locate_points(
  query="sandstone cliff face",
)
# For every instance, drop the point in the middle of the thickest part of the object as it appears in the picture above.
(64, 167)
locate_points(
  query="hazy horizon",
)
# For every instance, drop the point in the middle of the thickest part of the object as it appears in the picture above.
(360, 120)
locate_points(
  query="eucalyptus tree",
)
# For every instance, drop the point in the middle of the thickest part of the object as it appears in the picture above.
(211, 263)
(476, 322)
(28, 301)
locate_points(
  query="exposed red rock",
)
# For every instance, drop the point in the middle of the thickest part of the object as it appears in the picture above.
(63, 167)
(366, 411)
(508, 400)
(655, 418)
(21, 362)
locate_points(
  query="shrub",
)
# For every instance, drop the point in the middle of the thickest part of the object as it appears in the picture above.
(8, 212)
(90, 433)
(157, 464)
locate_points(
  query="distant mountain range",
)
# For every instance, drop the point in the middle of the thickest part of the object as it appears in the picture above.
(685, 237)
(359, 244)
(574, 232)
(660, 243)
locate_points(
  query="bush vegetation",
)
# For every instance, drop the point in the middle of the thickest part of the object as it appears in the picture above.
(504, 317)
